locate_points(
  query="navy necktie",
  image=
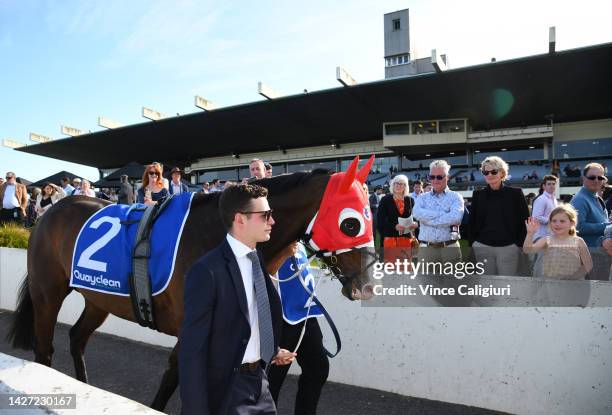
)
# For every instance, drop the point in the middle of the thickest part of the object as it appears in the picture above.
(266, 333)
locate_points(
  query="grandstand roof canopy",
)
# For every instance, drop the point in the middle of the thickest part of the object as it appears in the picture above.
(54, 178)
(573, 85)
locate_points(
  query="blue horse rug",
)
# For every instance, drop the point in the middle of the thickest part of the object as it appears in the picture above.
(293, 296)
(102, 259)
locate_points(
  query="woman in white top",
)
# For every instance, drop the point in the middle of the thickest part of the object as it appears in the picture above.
(49, 196)
(85, 189)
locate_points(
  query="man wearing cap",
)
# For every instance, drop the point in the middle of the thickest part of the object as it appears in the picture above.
(76, 184)
(126, 192)
(14, 198)
(176, 185)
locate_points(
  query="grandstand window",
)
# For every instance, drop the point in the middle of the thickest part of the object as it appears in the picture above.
(425, 127)
(397, 60)
(423, 160)
(511, 154)
(396, 24)
(452, 126)
(311, 165)
(382, 164)
(225, 174)
(397, 129)
(583, 148)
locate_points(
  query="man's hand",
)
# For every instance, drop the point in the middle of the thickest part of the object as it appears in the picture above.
(283, 357)
(274, 265)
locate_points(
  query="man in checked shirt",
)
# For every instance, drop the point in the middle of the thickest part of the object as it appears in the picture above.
(439, 213)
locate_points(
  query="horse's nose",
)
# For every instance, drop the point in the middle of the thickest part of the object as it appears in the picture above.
(367, 291)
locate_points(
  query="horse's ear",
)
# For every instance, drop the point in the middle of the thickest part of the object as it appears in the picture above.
(365, 170)
(349, 176)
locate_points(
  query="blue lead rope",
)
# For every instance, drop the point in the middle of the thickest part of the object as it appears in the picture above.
(333, 328)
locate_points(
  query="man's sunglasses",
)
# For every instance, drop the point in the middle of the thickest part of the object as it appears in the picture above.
(10, 177)
(487, 172)
(267, 214)
(600, 178)
(434, 177)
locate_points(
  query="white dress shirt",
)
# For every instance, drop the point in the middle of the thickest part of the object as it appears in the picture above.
(10, 200)
(542, 206)
(240, 250)
(176, 188)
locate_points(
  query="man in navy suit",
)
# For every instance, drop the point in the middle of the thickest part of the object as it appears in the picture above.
(231, 329)
(177, 186)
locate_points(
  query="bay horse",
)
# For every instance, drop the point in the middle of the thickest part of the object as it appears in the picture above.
(296, 199)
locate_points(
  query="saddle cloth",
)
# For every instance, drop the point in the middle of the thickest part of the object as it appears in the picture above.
(294, 298)
(102, 258)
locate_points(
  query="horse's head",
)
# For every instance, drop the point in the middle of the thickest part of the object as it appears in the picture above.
(342, 230)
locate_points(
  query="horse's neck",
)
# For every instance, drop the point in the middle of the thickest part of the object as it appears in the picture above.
(293, 211)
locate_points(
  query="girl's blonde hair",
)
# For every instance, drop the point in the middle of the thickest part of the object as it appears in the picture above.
(571, 213)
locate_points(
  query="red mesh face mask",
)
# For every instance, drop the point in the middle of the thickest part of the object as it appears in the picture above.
(344, 220)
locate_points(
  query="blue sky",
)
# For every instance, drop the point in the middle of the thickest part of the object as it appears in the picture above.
(69, 61)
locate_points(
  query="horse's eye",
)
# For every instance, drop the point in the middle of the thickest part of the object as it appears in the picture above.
(351, 223)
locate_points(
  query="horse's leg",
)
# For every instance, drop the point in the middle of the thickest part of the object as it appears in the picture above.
(46, 308)
(91, 318)
(169, 382)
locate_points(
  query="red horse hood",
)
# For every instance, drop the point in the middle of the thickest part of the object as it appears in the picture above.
(344, 220)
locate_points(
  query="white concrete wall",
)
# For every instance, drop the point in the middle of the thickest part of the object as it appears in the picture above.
(516, 360)
(13, 267)
(527, 360)
(23, 377)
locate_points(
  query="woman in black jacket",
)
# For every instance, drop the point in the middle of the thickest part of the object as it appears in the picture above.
(497, 220)
(398, 240)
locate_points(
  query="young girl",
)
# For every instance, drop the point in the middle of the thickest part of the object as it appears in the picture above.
(565, 255)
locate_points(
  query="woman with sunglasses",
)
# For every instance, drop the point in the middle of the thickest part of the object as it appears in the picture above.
(497, 218)
(152, 189)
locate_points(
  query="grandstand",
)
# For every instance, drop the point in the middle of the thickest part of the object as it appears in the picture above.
(530, 111)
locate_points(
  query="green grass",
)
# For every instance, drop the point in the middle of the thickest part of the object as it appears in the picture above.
(14, 236)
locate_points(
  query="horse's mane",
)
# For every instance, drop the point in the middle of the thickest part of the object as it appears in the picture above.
(287, 181)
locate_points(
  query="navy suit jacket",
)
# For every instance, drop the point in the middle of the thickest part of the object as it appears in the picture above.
(184, 187)
(215, 331)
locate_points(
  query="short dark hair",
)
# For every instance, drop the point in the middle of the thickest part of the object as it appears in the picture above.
(550, 177)
(268, 166)
(65, 179)
(235, 199)
(215, 181)
(417, 182)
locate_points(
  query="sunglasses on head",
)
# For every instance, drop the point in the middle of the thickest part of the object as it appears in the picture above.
(600, 178)
(267, 214)
(487, 172)
(436, 177)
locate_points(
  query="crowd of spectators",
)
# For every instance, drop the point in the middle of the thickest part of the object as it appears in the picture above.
(495, 222)
(501, 224)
